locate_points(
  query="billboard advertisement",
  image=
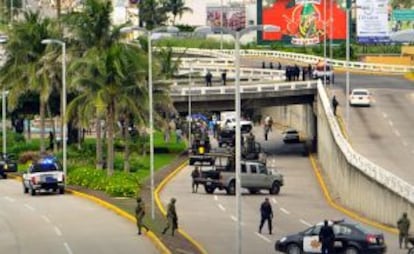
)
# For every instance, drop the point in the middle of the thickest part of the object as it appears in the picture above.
(372, 21)
(303, 22)
(401, 15)
(234, 17)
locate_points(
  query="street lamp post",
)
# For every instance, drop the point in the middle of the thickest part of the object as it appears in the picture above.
(150, 98)
(237, 35)
(63, 113)
(348, 10)
(221, 24)
(3, 112)
(190, 118)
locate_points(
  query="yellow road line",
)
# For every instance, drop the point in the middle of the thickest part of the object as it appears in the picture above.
(153, 238)
(342, 209)
(161, 207)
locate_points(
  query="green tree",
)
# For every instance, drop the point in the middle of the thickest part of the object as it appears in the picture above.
(177, 8)
(152, 13)
(24, 70)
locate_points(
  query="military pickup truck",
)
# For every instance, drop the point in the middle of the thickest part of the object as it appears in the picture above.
(255, 176)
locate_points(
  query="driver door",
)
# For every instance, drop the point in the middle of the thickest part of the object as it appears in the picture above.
(311, 242)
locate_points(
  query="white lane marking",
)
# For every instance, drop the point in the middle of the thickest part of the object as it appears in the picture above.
(58, 232)
(397, 133)
(29, 207)
(274, 200)
(412, 151)
(405, 143)
(233, 217)
(215, 197)
(305, 222)
(221, 207)
(284, 210)
(68, 248)
(384, 115)
(263, 237)
(9, 199)
(45, 218)
(390, 123)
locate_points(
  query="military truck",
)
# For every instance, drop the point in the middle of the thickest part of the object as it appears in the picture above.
(255, 176)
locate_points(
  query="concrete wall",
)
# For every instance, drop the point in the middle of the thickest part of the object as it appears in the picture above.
(300, 117)
(356, 182)
(404, 60)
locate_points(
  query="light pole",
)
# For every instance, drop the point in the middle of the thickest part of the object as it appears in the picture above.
(221, 24)
(63, 113)
(190, 118)
(237, 35)
(348, 10)
(150, 97)
(3, 112)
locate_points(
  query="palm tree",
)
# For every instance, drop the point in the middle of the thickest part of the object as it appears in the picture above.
(111, 81)
(24, 71)
(177, 8)
(152, 13)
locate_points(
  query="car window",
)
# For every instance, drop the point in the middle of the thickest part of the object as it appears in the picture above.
(253, 169)
(313, 230)
(341, 230)
(36, 168)
(262, 169)
(243, 168)
(360, 93)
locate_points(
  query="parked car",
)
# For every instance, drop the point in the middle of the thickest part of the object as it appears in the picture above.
(8, 164)
(350, 238)
(360, 97)
(291, 136)
(44, 174)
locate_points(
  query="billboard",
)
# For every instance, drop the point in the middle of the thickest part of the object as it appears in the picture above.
(234, 17)
(401, 16)
(302, 22)
(372, 21)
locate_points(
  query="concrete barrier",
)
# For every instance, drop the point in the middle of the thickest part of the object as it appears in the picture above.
(358, 183)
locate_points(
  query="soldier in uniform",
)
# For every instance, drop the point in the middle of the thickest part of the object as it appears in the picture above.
(172, 219)
(139, 215)
(403, 228)
(194, 175)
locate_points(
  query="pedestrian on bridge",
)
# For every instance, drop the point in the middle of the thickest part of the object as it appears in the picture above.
(209, 78)
(224, 77)
(335, 104)
(266, 213)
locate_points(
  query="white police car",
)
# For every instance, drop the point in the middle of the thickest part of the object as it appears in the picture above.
(44, 174)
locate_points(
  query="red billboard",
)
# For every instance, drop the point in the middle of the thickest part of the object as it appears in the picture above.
(302, 22)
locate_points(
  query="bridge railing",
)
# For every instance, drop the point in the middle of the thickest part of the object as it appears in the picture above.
(309, 59)
(253, 87)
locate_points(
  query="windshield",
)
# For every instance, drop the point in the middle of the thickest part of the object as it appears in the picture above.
(360, 93)
(36, 168)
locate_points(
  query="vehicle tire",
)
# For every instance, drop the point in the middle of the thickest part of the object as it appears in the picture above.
(411, 251)
(209, 189)
(293, 249)
(5, 176)
(231, 189)
(351, 250)
(275, 188)
(25, 189)
(33, 192)
(61, 190)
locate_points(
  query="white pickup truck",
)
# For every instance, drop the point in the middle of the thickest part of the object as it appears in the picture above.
(44, 174)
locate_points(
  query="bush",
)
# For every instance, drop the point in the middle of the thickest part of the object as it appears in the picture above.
(28, 156)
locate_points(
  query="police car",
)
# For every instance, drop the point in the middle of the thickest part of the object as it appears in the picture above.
(350, 238)
(44, 174)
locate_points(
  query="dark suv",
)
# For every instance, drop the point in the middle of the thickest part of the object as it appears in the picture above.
(227, 137)
(8, 164)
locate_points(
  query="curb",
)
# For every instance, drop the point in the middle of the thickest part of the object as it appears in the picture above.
(340, 208)
(153, 238)
(159, 188)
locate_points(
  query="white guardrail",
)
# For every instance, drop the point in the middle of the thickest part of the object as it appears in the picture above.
(254, 87)
(309, 59)
(375, 172)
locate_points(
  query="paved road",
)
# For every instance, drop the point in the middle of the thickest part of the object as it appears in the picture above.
(210, 219)
(383, 132)
(62, 224)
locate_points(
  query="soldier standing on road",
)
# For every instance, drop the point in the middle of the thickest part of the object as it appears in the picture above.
(266, 213)
(403, 225)
(139, 215)
(194, 175)
(172, 219)
(327, 238)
